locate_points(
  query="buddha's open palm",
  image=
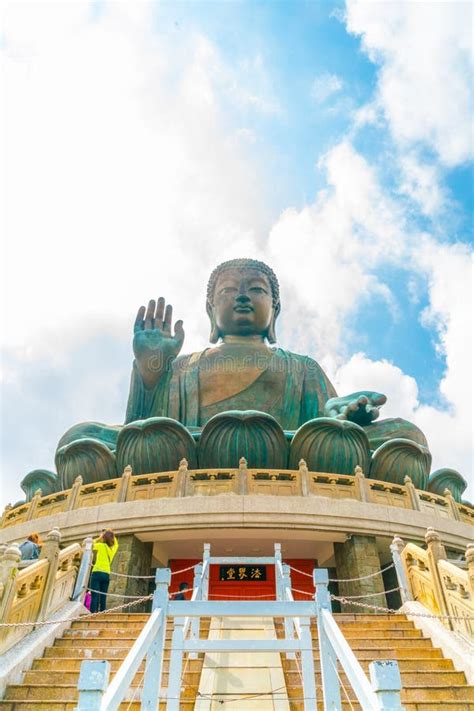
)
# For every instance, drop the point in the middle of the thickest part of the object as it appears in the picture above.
(154, 345)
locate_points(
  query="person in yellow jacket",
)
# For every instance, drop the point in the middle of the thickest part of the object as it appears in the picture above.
(104, 550)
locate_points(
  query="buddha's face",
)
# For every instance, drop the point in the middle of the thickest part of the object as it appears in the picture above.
(242, 304)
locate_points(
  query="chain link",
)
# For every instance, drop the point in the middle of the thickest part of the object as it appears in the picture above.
(84, 617)
(390, 611)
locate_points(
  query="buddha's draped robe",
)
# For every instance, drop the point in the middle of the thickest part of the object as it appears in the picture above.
(293, 388)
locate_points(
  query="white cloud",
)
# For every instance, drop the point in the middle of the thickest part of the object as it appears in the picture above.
(324, 86)
(124, 173)
(424, 50)
(421, 182)
(328, 252)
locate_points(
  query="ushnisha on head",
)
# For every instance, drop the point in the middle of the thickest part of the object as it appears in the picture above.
(243, 299)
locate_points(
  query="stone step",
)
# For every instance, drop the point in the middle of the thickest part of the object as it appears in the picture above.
(73, 664)
(188, 705)
(192, 674)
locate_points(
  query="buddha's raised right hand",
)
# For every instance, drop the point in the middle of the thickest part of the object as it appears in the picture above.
(154, 345)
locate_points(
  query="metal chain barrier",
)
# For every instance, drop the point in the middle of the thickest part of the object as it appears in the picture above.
(390, 611)
(151, 577)
(83, 617)
(345, 580)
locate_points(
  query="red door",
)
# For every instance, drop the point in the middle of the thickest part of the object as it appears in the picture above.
(241, 585)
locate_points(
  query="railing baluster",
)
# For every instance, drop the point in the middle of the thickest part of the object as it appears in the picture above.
(328, 658)
(154, 658)
(93, 681)
(176, 665)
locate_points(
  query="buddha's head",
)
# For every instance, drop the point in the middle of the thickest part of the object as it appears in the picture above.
(243, 299)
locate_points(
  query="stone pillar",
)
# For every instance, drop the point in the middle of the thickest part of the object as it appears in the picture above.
(355, 558)
(242, 477)
(436, 551)
(49, 550)
(412, 494)
(122, 492)
(8, 570)
(469, 555)
(182, 478)
(74, 492)
(304, 474)
(363, 493)
(33, 505)
(133, 559)
(452, 505)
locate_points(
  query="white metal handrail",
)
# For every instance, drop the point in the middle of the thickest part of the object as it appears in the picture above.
(379, 693)
(382, 693)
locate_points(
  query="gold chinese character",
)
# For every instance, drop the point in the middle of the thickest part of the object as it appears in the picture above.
(242, 573)
(230, 574)
(256, 573)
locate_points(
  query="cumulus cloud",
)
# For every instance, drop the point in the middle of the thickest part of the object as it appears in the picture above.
(424, 88)
(329, 251)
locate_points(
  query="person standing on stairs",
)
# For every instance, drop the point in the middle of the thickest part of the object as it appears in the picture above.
(104, 550)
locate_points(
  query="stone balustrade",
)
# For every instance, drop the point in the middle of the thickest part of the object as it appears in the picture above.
(242, 480)
(439, 584)
(36, 591)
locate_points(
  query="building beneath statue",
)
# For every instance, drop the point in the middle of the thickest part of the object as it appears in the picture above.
(242, 445)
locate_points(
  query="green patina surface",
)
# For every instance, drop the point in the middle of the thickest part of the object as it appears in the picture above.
(215, 392)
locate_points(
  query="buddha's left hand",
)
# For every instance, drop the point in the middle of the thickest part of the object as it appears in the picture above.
(361, 408)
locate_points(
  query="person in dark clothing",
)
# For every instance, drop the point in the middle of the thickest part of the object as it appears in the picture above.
(104, 548)
(181, 595)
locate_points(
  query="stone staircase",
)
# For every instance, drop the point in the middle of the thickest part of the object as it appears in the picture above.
(430, 682)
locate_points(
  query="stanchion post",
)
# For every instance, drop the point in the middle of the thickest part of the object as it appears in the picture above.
(205, 581)
(278, 564)
(84, 568)
(93, 682)
(328, 658)
(396, 547)
(176, 666)
(195, 621)
(286, 585)
(154, 658)
(386, 682)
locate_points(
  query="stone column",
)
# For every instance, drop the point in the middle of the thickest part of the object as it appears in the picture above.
(33, 505)
(49, 550)
(452, 505)
(242, 477)
(74, 492)
(355, 558)
(122, 491)
(436, 551)
(133, 559)
(8, 570)
(469, 555)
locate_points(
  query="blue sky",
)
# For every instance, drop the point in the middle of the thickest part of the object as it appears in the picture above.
(144, 143)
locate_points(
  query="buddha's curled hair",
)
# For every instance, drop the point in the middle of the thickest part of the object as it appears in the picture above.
(242, 264)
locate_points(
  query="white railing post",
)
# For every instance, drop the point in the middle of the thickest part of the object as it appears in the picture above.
(307, 665)
(154, 658)
(84, 568)
(195, 628)
(286, 588)
(278, 572)
(386, 682)
(205, 581)
(93, 681)
(327, 656)
(396, 547)
(176, 666)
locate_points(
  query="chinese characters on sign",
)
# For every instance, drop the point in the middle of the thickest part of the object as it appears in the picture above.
(248, 573)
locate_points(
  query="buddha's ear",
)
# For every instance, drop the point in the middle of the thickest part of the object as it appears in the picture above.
(214, 335)
(271, 333)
